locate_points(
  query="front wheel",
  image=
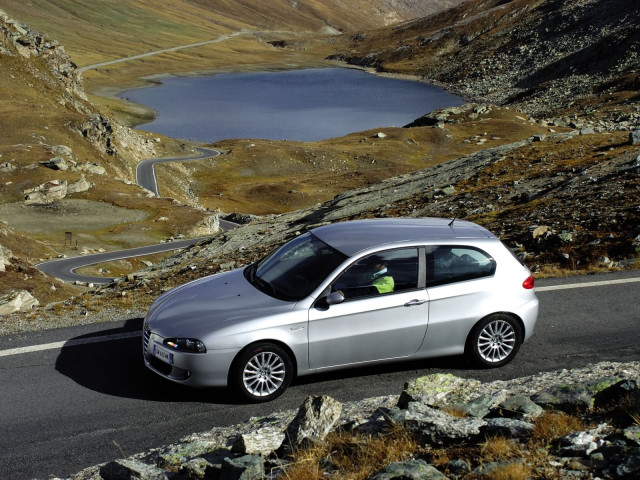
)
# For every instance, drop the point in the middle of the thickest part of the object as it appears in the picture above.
(261, 372)
(494, 341)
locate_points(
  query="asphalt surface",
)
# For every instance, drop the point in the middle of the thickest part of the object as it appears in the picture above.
(73, 398)
(146, 174)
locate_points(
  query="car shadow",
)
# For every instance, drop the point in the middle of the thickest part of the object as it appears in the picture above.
(115, 367)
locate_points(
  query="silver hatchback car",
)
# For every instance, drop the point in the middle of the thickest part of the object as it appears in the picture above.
(342, 295)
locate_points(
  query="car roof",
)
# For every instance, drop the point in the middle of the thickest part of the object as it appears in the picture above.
(354, 236)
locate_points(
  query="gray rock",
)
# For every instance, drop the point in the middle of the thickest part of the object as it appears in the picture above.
(17, 301)
(437, 390)
(508, 427)
(247, 467)
(81, 185)
(62, 150)
(480, 406)
(632, 434)
(5, 256)
(519, 405)
(572, 398)
(195, 469)
(46, 193)
(126, 469)
(316, 417)
(55, 163)
(630, 467)
(435, 426)
(262, 441)
(634, 137)
(411, 470)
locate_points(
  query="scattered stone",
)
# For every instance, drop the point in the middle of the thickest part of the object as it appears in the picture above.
(55, 163)
(5, 256)
(17, 301)
(46, 193)
(438, 390)
(411, 470)
(634, 137)
(125, 469)
(262, 441)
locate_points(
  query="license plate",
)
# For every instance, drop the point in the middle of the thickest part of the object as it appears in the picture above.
(163, 355)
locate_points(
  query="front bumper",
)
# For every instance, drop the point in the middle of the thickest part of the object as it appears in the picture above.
(209, 369)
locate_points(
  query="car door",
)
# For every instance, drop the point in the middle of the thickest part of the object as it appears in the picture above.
(381, 317)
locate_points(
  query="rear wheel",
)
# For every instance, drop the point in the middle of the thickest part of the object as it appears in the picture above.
(261, 372)
(494, 341)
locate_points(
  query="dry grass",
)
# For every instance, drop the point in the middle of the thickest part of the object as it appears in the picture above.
(553, 425)
(351, 456)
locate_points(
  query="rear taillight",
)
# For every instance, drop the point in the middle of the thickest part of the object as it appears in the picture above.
(529, 283)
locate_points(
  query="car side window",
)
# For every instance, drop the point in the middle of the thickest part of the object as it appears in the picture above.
(449, 264)
(383, 273)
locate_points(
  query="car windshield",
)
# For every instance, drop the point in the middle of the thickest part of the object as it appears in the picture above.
(294, 270)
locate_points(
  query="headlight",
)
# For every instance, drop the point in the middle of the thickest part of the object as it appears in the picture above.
(190, 345)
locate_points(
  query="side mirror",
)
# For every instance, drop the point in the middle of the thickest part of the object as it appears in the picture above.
(334, 298)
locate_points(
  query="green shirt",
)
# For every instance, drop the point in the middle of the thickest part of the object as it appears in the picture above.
(384, 284)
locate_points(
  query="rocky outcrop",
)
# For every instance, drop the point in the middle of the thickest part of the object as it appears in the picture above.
(18, 39)
(5, 256)
(545, 57)
(54, 190)
(46, 193)
(17, 301)
(429, 409)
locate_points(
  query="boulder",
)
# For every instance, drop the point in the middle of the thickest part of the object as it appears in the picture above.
(17, 301)
(634, 137)
(410, 470)
(437, 390)
(207, 226)
(61, 150)
(263, 441)
(5, 255)
(436, 427)
(315, 419)
(248, 467)
(126, 469)
(55, 163)
(46, 193)
(81, 185)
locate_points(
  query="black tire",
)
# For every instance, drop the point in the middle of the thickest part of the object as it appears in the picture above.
(261, 372)
(494, 340)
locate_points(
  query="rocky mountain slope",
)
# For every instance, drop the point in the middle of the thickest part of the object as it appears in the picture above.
(548, 57)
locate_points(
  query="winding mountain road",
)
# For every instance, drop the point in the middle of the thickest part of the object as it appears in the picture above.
(80, 396)
(65, 268)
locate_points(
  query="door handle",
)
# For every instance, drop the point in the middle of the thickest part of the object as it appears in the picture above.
(415, 302)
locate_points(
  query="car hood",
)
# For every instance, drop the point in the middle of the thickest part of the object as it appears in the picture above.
(204, 306)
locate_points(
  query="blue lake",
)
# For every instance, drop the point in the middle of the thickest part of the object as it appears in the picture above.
(305, 105)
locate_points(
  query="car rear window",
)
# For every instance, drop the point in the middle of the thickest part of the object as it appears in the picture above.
(449, 264)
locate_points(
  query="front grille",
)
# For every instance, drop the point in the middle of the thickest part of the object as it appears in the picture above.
(146, 334)
(160, 366)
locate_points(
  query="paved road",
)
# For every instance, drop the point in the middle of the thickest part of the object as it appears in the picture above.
(65, 268)
(221, 38)
(146, 174)
(70, 395)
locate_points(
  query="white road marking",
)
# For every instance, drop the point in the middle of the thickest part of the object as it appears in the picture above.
(68, 343)
(587, 284)
(120, 336)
